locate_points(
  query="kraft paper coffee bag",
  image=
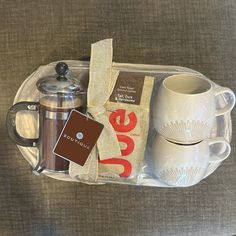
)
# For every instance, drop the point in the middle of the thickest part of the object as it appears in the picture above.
(128, 113)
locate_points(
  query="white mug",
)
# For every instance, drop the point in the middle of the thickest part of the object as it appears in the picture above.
(184, 108)
(185, 165)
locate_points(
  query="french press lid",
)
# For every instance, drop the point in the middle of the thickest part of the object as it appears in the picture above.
(60, 83)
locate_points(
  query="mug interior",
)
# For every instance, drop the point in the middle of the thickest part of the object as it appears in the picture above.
(186, 84)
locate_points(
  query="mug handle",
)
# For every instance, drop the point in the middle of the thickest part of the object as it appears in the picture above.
(219, 158)
(231, 103)
(11, 123)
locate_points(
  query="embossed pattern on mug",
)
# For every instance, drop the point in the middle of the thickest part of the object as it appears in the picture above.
(198, 129)
(181, 176)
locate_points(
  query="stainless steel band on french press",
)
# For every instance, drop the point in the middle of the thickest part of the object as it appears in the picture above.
(54, 115)
(57, 115)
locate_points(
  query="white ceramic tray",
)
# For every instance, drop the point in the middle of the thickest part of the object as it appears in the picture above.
(28, 92)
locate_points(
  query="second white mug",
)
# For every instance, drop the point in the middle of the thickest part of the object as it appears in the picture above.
(185, 165)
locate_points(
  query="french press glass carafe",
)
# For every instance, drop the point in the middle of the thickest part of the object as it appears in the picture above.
(59, 94)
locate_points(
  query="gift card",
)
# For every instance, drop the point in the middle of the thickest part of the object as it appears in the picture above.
(78, 138)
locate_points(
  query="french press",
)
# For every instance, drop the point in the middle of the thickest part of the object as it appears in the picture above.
(59, 94)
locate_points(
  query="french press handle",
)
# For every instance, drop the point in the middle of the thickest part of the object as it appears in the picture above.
(11, 123)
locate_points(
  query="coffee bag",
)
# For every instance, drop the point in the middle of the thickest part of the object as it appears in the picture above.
(128, 113)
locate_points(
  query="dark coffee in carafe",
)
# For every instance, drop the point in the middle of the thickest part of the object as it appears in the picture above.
(51, 125)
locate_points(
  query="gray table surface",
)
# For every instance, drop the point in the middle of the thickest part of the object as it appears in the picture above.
(196, 34)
